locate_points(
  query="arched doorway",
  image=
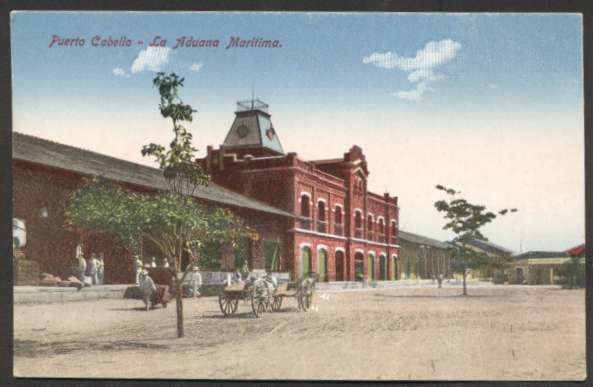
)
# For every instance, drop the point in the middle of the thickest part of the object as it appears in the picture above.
(371, 267)
(383, 268)
(305, 261)
(358, 267)
(322, 264)
(394, 268)
(339, 258)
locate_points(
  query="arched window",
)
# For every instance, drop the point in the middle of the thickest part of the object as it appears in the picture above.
(358, 224)
(381, 230)
(370, 222)
(393, 232)
(338, 227)
(305, 206)
(305, 212)
(321, 223)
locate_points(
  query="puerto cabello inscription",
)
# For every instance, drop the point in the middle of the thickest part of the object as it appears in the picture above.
(159, 41)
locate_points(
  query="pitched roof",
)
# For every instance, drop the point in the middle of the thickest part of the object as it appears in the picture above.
(422, 240)
(542, 254)
(85, 162)
(489, 247)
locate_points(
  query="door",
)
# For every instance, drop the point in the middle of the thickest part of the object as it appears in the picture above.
(305, 261)
(339, 266)
(322, 265)
(358, 267)
(371, 268)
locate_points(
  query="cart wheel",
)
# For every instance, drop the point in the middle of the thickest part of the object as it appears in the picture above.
(277, 303)
(260, 297)
(227, 304)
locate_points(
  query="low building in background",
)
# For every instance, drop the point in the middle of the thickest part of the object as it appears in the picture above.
(539, 267)
(422, 257)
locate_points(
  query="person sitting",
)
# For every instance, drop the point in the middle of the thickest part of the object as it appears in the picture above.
(147, 289)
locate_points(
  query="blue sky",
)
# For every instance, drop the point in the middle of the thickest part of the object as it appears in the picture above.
(489, 103)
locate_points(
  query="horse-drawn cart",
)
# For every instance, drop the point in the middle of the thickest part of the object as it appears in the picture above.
(302, 291)
(257, 293)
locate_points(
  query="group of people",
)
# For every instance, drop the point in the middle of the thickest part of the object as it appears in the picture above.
(91, 271)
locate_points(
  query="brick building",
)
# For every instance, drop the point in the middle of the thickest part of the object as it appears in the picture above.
(46, 173)
(312, 216)
(342, 230)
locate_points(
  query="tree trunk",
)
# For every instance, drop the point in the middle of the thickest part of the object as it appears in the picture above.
(464, 287)
(179, 305)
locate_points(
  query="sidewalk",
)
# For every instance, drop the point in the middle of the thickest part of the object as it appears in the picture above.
(54, 294)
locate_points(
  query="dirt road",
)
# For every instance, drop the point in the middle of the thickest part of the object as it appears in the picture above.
(495, 333)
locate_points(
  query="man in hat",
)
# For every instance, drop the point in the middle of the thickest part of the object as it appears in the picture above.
(137, 268)
(147, 288)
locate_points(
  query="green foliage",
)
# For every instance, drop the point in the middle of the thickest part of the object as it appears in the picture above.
(173, 222)
(177, 163)
(465, 220)
(572, 273)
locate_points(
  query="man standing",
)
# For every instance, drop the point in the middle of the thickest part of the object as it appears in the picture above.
(196, 280)
(92, 269)
(137, 268)
(101, 269)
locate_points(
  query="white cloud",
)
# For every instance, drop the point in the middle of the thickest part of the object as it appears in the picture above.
(414, 94)
(196, 67)
(420, 68)
(432, 55)
(151, 58)
(424, 75)
(119, 72)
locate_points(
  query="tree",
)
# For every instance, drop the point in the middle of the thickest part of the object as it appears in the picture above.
(465, 220)
(572, 273)
(173, 220)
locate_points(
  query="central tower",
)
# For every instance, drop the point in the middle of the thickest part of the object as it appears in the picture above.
(252, 132)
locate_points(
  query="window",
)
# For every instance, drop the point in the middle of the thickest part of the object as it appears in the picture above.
(393, 232)
(370, 222)
(321, 223)
(305, 212)
(358, 224)
(381, 237)
(338, 226)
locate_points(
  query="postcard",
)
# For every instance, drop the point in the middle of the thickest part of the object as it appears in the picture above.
(298, 195)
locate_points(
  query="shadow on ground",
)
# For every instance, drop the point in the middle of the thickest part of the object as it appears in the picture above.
(32, 348)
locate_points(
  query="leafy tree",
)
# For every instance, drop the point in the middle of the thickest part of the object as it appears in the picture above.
(465, 220)
(173, 221)
(572, 273)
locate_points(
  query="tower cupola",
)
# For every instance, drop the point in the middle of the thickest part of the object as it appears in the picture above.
(252, 131)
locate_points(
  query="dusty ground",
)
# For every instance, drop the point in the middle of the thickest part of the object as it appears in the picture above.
(495, 333)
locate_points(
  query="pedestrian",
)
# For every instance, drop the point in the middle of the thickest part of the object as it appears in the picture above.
(92, 269)
(101, 269)
(147, 289)
(137, 268)
(196, 280)
(80, 266)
